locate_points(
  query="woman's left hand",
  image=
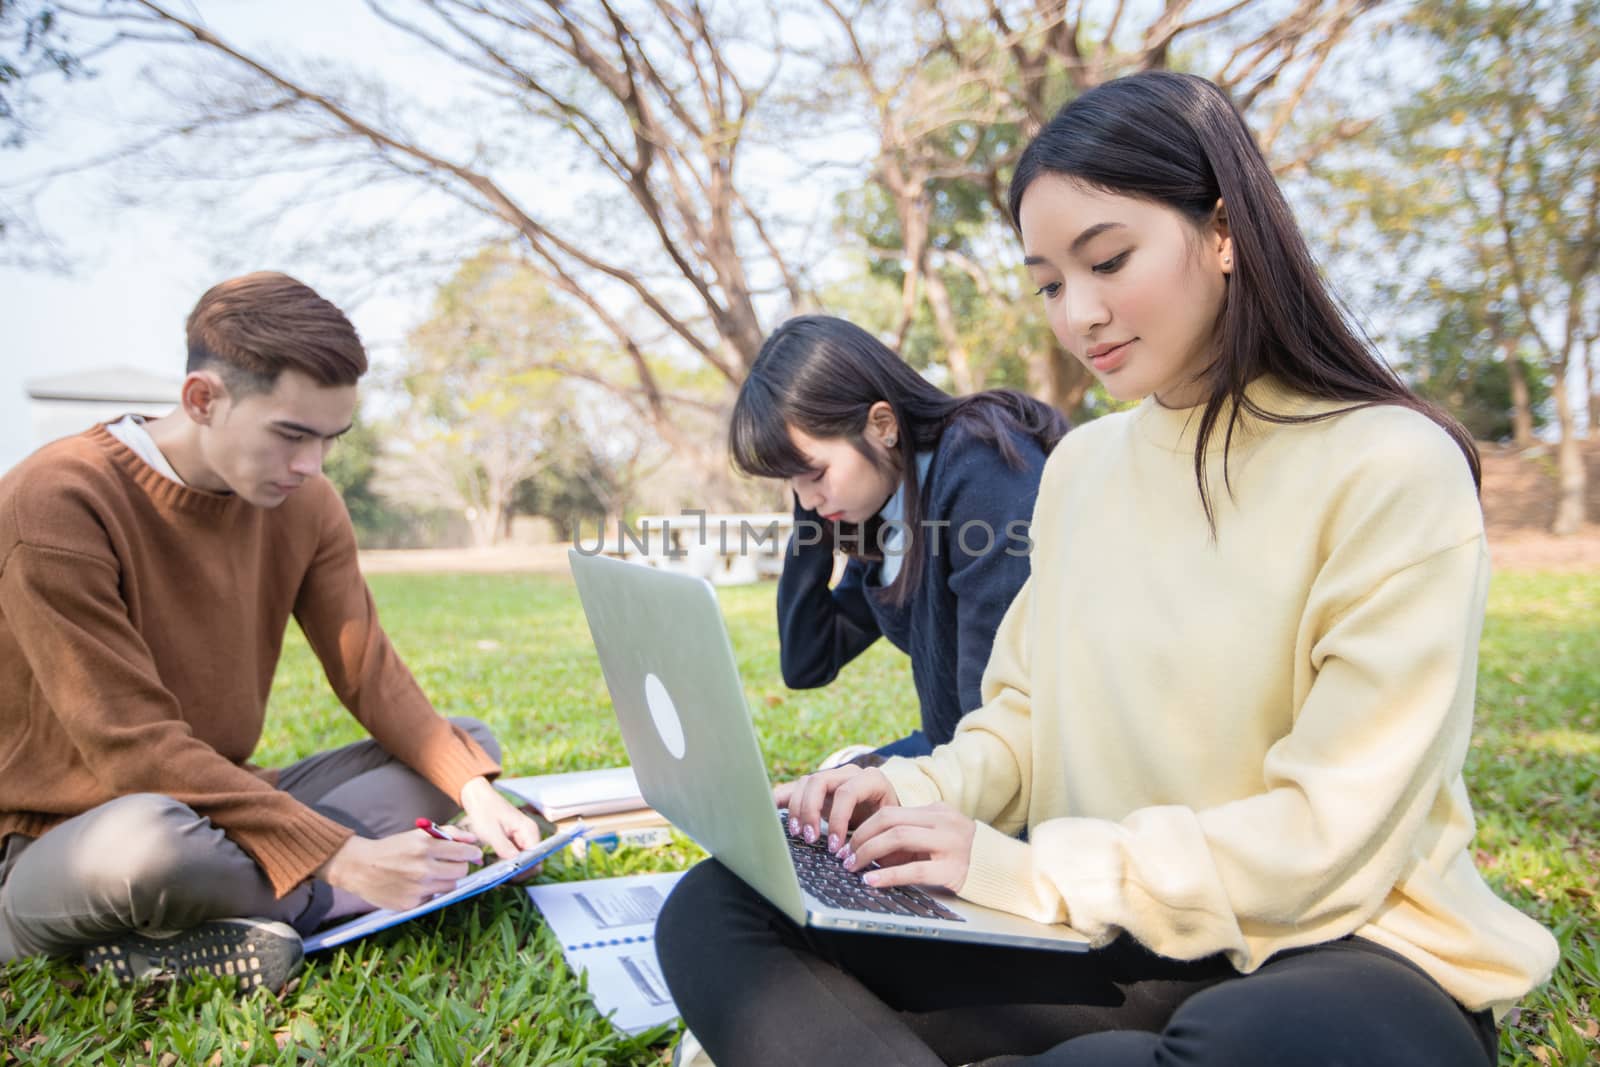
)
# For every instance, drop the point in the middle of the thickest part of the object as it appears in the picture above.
(928, 845)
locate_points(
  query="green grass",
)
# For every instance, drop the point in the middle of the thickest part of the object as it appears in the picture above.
(485, 983)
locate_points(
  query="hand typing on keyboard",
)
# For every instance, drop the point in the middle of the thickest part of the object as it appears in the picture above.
(844, 796)
(824, 876)
(929, 845)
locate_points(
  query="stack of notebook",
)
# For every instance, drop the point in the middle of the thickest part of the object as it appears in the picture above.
(607, 801)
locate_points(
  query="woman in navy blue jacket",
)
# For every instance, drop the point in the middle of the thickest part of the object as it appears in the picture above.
(928, 495)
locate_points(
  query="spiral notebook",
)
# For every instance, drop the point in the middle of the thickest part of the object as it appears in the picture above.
(606, 927)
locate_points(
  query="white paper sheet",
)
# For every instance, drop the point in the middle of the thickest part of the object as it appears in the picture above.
(606, 927)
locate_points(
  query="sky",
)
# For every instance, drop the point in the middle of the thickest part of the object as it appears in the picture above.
(122, 305)
(136, 271)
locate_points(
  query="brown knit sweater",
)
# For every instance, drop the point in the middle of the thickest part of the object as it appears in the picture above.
(140, 626)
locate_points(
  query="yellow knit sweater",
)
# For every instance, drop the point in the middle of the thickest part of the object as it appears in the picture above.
(1253, 742)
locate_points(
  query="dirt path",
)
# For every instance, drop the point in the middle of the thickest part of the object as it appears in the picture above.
(1519, 502)
(537, 559)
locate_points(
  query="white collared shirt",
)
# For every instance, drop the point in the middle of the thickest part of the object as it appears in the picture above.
(130, 431)
(894, 537)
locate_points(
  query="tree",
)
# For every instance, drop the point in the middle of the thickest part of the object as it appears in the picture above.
(953, 90)
(30, 45)
(33, 45)
(598, 464)
(1489, 182)
(1471, 365)
(647, 98)
(352, 467)
(660, 105)
(484, 399)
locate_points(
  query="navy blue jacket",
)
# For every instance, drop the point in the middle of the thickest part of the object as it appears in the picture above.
(947, 625)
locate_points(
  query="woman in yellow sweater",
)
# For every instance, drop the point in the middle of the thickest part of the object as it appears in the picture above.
(1230, 706)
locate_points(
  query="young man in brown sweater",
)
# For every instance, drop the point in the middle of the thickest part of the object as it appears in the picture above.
(148, 570)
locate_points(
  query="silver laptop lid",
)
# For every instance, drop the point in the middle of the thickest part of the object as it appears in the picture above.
(673, 679)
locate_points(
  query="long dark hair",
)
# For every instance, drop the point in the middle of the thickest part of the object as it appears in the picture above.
(822, 375)
(1178, 140)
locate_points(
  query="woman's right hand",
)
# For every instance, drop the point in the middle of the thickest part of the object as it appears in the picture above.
(844, 796)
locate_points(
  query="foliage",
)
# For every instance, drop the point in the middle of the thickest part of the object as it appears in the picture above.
(657, 241)
(485, 982)
(1000, 330)
(1483, 193)
(1526, 168)
(952, 94)
(646, 157)
(485, 392)
(1454, 364)
(32, 42)
(582, 483)
(599, 453)
(352, 467)
(565, 498)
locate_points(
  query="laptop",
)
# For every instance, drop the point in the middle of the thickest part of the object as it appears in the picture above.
(675, 685)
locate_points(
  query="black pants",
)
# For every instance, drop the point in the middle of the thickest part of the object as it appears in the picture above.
(756, 989)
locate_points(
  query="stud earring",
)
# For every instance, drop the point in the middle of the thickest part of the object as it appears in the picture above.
(889, 441)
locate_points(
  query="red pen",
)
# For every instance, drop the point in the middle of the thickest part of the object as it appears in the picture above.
(432, 829)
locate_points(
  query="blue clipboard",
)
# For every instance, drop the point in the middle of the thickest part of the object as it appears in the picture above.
(480, 881)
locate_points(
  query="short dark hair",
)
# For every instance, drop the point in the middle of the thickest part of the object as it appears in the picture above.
(254, 327)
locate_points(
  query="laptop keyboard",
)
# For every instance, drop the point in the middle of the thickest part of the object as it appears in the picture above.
(824, 876)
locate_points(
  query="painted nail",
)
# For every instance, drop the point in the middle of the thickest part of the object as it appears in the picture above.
(794, 826)
(810, 834)
(848, 857)
(871, 878)
(833, 842)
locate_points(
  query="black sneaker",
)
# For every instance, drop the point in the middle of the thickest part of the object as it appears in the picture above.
(259, 953)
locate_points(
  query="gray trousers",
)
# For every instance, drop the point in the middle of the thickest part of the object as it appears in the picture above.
(147, 862)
